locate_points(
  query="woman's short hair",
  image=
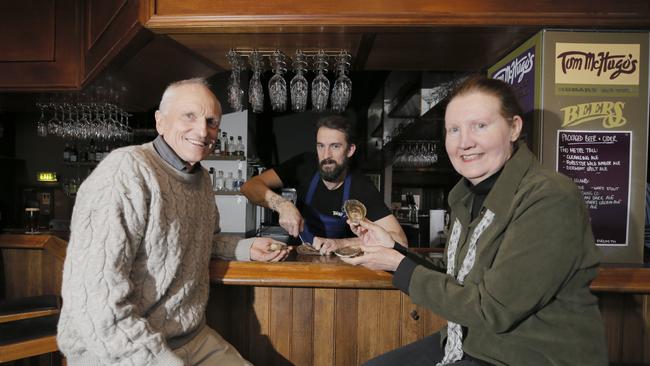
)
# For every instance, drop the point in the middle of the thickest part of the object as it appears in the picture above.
(340, 123)
(502, 91)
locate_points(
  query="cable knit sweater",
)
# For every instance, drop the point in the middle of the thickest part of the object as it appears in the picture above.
(136, 271)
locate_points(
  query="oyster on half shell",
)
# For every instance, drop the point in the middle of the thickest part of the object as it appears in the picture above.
(305, 249)
(348, 252)
(354, 210)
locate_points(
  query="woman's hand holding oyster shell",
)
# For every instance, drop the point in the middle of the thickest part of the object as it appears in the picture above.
(354, 210)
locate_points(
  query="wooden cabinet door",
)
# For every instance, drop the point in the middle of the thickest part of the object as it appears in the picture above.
(64, 44)
(109, 26)
(39, 44)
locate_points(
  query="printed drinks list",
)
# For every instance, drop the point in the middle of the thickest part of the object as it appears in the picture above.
(599, 164)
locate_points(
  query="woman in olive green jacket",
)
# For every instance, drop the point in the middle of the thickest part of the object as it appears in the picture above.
(514, 282)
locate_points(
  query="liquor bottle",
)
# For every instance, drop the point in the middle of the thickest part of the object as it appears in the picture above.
(219, 181)
(224, 143)
(73, 154)
(240, 146)
(230, 182)
(232, 148)
(99, 154)
(212, 177)
(66, 153)
(91, 151)
(240, 180)
(217, 146)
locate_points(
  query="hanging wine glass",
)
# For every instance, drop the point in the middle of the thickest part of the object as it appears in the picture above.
(299, 85)
(342, 90)
(320, 86)
(255, 88)
(277, 84)
(98, 113)
(234, 88)
(41, 126)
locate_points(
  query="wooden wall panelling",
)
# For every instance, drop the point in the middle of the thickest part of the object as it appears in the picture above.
(241, 300)
(51, 59)
(31, 272)
(324, 320)
(258, 348)
(646, 329)
(345, 325)
(390, 319)
(314, 326)
(302, 323)
(340, 327)
(411, 329)
(633, 329)
(369, 330)
(627, 327)
(22, 272)
(281, 323)
(218, 309)
(611, 309)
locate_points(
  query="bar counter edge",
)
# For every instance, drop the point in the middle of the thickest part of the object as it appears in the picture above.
(330, 272)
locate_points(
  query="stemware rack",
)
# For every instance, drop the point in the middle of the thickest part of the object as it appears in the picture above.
(317, 60)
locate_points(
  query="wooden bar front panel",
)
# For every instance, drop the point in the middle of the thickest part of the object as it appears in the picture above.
(316, 326)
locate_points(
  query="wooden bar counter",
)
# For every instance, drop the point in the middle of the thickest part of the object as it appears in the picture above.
(313, 310)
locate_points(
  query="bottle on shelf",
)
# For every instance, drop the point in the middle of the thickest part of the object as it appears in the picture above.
(91, 151)
(219, 182)
(99, 154)
(66, 153)
(224, 143)
(240, 180)
(212, 176)
(217, 146)
(229, 182)
(231, 146)
(73, 154)
(240, 146)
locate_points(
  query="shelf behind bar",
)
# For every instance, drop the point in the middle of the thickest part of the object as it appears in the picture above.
(226, 157)
(227, 193)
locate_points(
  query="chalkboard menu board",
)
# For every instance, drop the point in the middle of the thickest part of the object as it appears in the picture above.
(599, 163)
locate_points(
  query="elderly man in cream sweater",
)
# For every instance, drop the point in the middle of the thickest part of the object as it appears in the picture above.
(135, 279)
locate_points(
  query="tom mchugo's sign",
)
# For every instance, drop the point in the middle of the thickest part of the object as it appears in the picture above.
(595, 63)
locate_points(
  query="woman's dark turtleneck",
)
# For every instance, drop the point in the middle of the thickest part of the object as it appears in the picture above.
(481, 191)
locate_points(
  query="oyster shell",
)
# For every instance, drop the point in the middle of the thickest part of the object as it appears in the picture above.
(354, 210)
(277, 246)
(305, 249)
(348, 252)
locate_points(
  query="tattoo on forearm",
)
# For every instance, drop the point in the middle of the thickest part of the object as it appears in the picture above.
(276, 201)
